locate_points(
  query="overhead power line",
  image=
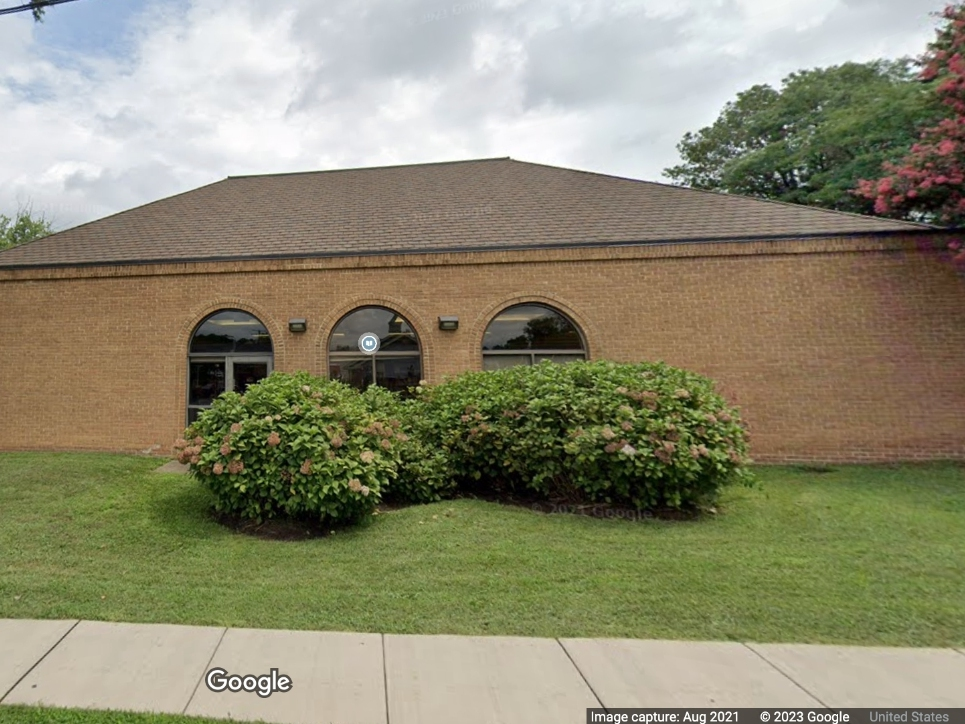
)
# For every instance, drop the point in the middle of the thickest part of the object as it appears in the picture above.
(29, 7)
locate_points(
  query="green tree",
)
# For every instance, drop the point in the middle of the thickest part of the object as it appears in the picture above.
(810, 141)
(22, 228)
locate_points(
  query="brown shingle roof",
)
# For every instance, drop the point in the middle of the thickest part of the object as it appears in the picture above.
(459, 206)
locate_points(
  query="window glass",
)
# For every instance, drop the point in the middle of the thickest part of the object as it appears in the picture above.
(354, 372)
(394, 331)
(207, 381)
(501, 361)
(559, 358)
(396, 366)
(231, 331)
(248, 373)
(398, 373)
(531, 327)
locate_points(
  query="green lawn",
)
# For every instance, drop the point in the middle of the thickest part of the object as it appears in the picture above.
(44, 715)
(865, 555)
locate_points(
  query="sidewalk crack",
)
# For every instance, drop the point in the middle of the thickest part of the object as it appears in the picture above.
(582, 676)
(385, 681)
(784, 674)
(204, 671)
(37, 662)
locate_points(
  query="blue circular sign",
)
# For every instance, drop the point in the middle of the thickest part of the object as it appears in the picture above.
(369, 343)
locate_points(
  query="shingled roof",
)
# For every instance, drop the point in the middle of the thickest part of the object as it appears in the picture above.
(484, 204)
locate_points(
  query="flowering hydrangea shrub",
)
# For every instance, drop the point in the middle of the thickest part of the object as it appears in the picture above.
(294, 446)
(423, 476)
(642, 435)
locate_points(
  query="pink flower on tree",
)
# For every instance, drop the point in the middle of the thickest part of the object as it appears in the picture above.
(928, 182)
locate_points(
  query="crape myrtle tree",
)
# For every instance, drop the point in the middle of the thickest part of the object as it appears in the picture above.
(929, 182)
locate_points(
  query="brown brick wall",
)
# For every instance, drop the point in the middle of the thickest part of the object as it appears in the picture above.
(836, 350)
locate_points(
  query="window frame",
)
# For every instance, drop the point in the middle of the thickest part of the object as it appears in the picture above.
(581, 354)
(229, 359)
(359, 356)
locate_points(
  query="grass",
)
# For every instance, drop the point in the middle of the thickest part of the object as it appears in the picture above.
(46, 715)
(859, 555)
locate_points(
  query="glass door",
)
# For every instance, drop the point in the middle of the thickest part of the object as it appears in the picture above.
(246, 371)
(206, 380)
(209, 377)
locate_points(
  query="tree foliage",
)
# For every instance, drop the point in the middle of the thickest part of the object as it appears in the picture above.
(928, 182)
(810, 141)
(37, 9)
(22, 228)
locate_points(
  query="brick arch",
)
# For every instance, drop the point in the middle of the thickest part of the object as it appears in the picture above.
(592, 348)
(194, 318)
(328, 322)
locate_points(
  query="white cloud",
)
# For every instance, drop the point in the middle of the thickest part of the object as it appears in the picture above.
(214, 87)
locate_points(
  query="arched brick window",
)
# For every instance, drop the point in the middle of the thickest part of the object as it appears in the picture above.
(529, 333)
(396, 366)
(229, 350)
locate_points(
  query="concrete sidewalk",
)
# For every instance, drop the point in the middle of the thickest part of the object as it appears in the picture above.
(391, 679)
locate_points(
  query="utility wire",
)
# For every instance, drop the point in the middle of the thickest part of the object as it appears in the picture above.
(32, 6)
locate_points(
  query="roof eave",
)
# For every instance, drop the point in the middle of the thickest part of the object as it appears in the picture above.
(925, 230)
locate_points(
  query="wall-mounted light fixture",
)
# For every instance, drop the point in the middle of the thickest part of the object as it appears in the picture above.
(449, 324)
(297, 325)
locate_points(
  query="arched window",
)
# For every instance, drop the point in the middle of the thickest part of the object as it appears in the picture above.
(398, 363)
(529, 333)
(229, 350)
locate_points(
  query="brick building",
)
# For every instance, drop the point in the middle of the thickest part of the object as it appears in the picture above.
(836, 336)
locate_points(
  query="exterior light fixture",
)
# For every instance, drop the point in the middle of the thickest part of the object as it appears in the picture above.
(449, 324)
(297, 325)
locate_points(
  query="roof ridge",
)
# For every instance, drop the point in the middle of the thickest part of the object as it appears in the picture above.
(369, 168)
(739, 197)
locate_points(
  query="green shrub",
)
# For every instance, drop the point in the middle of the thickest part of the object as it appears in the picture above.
(296, 446)
(423, 476)
(643, 435)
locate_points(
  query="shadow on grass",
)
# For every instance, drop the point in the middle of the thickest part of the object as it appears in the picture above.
(186, 511)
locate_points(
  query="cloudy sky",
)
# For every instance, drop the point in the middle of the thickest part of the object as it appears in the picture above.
(112, 103)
